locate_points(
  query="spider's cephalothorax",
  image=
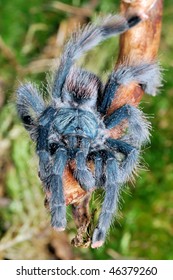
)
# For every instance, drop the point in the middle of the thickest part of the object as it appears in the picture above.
(75, 126)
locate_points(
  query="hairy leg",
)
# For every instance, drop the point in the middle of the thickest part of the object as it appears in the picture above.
(57, 200)
(52, 162)
(82, 174)
(98, 173)
(131, 158)
(84, 40)
(138, 126)
(99, 158)
(30, 106)
(147, 75)
(109, 204)
(42, 143)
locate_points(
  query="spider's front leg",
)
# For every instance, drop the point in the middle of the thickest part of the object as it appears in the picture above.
(57, 199)
(81, 173)
(110, 201)
(130, 162)
(118, 173)
(42, 143)
(130, 144)
(51, 173)
(52, 161)
(115, 175)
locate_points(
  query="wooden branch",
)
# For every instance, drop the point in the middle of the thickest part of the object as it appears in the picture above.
(141, 43)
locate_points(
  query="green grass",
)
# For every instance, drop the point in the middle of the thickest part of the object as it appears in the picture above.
(144, 229)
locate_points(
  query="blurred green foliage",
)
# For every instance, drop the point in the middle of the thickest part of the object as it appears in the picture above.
(144, 229)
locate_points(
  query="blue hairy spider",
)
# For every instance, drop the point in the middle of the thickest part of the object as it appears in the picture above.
(74, 125)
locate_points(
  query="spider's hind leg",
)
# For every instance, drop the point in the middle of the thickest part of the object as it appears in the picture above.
(84, 40)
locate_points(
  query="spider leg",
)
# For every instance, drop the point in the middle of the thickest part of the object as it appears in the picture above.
(98, 174)
(72, 142)
(57, 200)
(138, 126)
(109, 204)
(82, 174)
(43, 154)
(84, 40)
(85, 145)
(98, 157)
(52, 164)
(147, 75)
(117, 116)
(79, 148)
(42, 143)
(116, 175)
(30, 105)
(131, 158)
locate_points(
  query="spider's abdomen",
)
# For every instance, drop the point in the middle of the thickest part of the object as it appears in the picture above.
(72, 121)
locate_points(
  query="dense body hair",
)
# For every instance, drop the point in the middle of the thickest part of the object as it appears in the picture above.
(73, 127)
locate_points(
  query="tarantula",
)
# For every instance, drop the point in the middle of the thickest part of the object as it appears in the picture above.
(74, 126)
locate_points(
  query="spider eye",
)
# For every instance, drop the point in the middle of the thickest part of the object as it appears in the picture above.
(52, 148)
(27, 120)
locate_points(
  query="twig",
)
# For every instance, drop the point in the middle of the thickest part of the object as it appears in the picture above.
(9, 55)
(18, 239)
(86, 11)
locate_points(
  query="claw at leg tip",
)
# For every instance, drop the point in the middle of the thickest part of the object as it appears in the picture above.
(59, 228)
(97, 244)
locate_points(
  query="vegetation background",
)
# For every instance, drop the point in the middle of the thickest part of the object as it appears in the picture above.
(32, 34)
